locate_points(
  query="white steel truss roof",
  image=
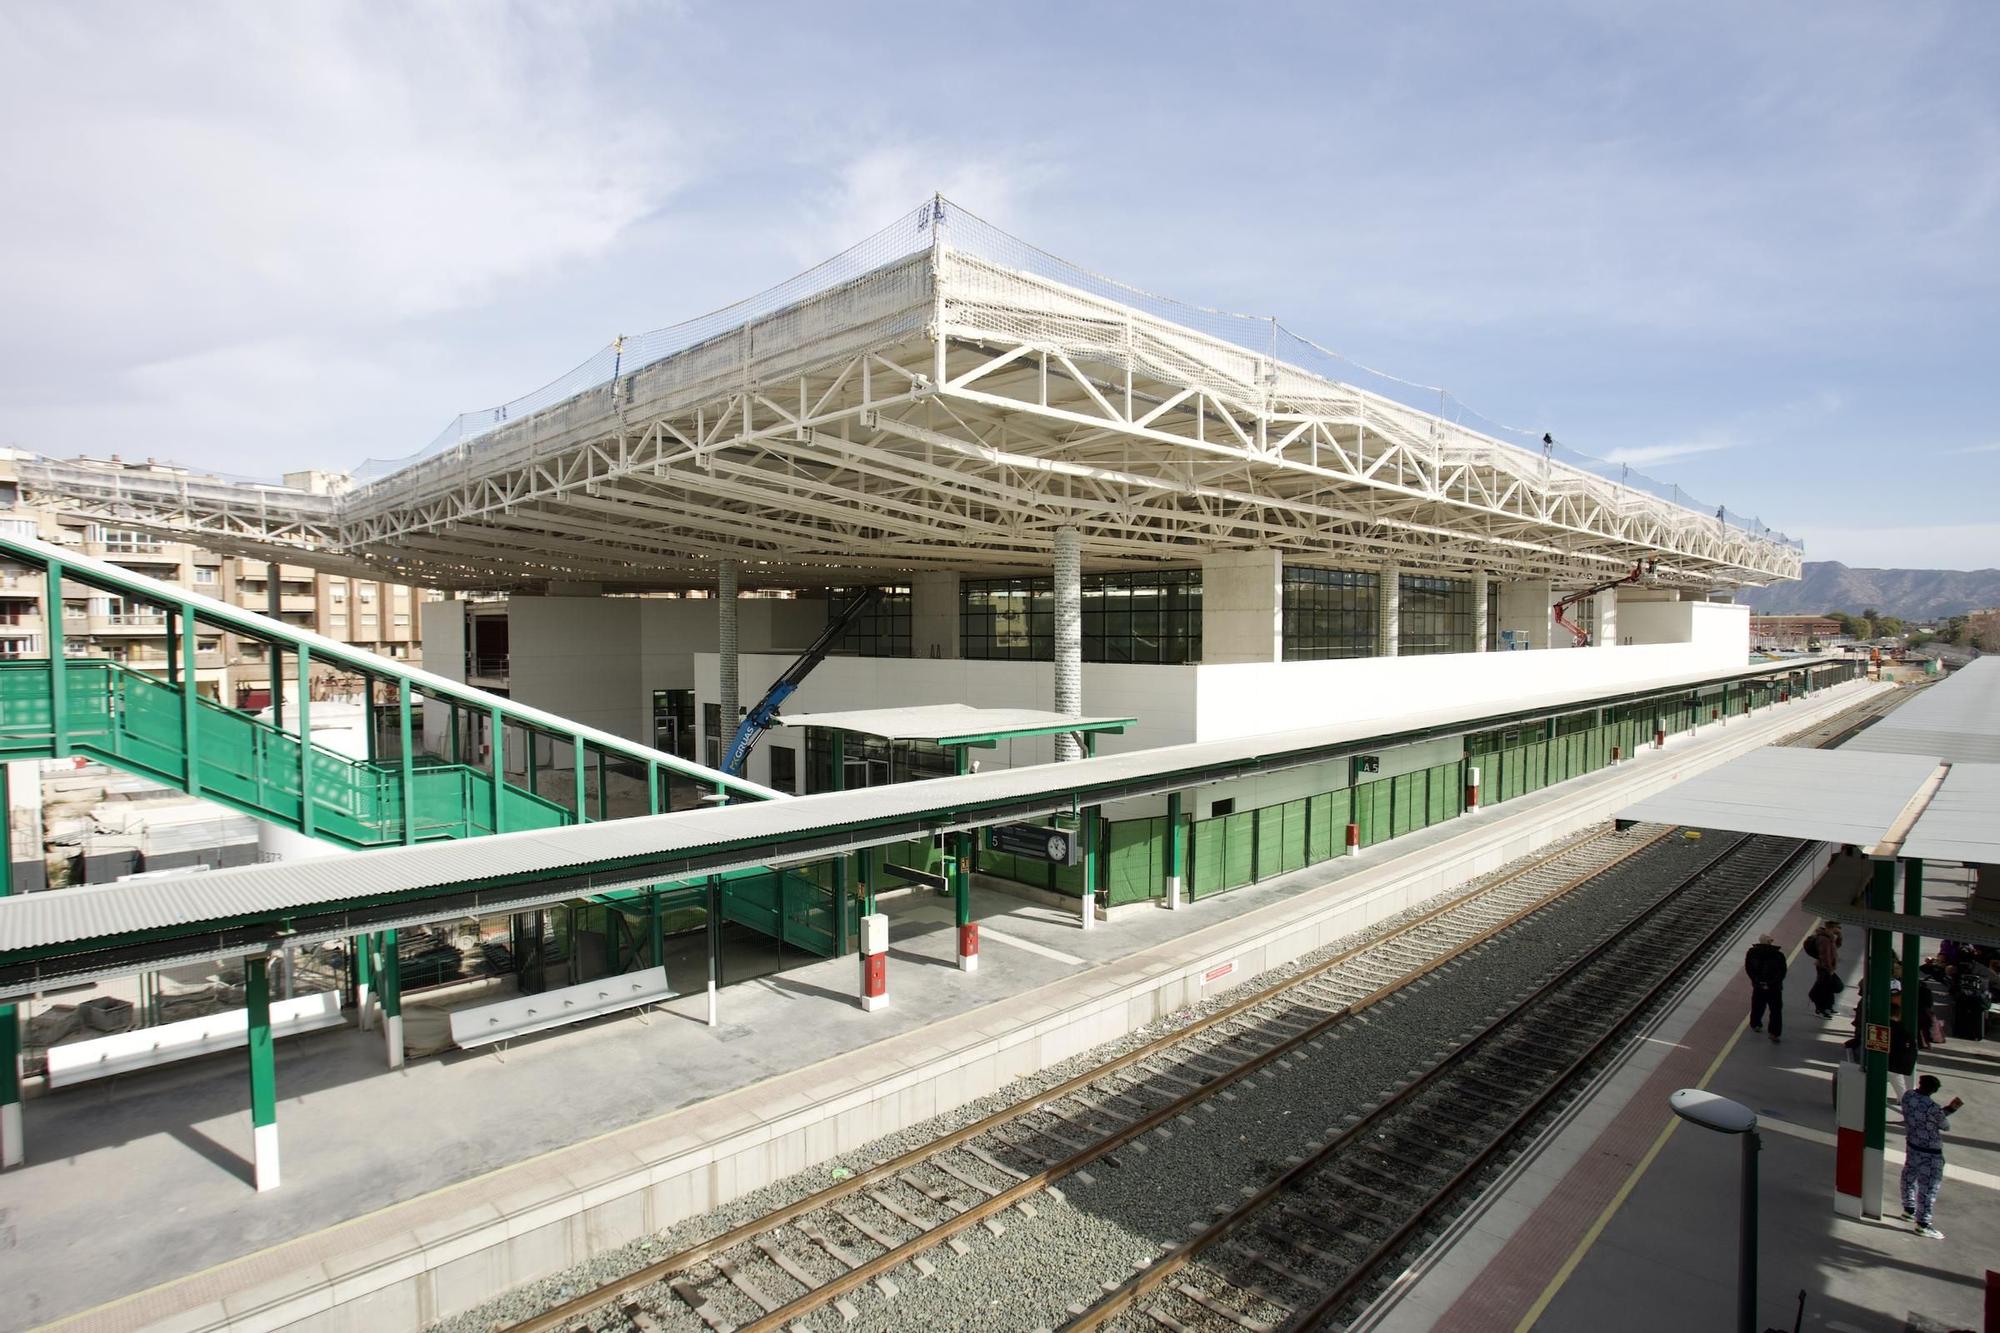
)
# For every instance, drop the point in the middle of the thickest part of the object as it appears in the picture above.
(949, 410)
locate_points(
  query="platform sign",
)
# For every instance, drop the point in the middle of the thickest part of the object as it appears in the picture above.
(1878, 1036)
(1368, 763)
(1037, 842)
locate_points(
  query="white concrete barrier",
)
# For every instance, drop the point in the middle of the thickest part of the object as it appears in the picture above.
(143, 1048)
(519, 1015)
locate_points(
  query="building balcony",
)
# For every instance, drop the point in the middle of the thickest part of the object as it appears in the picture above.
(147, 623)
(288, 603)
(490, 668)
(143, 553)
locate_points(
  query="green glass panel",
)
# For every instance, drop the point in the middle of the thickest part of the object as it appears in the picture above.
(1294, 850)
(1323, 834)
(1135, 862)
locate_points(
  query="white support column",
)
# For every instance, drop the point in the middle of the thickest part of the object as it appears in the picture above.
(1069, 636)
(1481, 594)
(726, 681)
(1388, 610)
(12, 1143)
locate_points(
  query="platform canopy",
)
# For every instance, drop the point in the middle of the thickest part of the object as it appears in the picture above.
(953, 724)
(1956, 720)
(1962, 822)
(1822, 795)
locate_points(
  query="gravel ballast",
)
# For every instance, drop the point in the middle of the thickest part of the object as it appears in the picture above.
(1098, 1228)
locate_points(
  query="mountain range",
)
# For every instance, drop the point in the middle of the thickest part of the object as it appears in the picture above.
(1912, 594)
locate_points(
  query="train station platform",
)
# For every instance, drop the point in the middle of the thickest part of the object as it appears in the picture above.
(1623, 1217)
(414, 1194)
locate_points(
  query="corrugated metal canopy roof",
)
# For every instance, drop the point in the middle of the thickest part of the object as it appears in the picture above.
(947, 723)
(1825, 795)
(1962, 822)
(1957, 719)
(752, 834)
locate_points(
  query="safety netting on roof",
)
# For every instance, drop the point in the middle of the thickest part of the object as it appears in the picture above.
(939, 222)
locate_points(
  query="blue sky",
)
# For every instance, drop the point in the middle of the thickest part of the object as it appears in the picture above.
(1751, 249)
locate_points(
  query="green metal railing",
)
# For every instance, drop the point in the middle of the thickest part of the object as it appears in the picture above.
(136, 722)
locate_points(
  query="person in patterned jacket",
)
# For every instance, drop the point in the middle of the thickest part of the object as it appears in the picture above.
(1924, 1126)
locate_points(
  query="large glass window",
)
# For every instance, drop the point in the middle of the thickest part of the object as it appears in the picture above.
(1436, 616)
(883, 630)
(1329, 613)
(1128, 616)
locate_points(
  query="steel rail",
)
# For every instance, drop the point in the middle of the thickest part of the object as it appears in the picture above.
(1156, 1274)
(590, 1302)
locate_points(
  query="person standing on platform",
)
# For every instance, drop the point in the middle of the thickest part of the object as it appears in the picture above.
(1824, 946)
(1764, 964)
(1924, 1126)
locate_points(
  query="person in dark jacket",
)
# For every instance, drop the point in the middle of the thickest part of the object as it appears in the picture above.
(1824, 948)
(1764, 964)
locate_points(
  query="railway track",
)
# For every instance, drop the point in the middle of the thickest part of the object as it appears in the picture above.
(899, 1219)
(1303, 1247)
(777, 1269)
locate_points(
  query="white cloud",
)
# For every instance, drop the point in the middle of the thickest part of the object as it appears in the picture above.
(1993, 448)
(1945, 546)
(1647, 455)
(181, 184)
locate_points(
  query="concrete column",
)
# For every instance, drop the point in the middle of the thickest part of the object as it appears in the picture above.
(714, 932)
(934, 615)
(1525, 610)
(1069, 636)
(1881, 952)
(1913, 947)
(391, 980)
(1242, 607)
(263, 1073)
(726, 686)
(961, 882)
(1481, 592)
(1388, 610)
(1174, 851)
(1605, 633)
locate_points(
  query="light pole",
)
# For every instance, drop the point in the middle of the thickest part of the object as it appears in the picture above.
(1727, 1117)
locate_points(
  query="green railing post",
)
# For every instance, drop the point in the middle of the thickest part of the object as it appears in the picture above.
(576, 767)
(392, 999)
(1875, 1063)
(58, 665)
(190, 705)
(263, 1071)
(10, 1020)
(1174, 850)
(1913, 948)
(409, 765)
(306, 825)
(496, 726)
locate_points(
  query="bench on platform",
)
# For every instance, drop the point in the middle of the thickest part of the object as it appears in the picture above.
(520, 1015)
(143, 1048)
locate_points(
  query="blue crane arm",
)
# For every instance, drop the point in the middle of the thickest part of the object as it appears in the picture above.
(758, 720)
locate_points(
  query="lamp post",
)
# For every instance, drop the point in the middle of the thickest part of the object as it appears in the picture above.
(1727, 1117)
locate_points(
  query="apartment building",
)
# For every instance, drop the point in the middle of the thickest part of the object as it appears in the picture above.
(382, 618)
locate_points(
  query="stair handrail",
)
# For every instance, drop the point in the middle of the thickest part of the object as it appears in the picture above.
(115, 579)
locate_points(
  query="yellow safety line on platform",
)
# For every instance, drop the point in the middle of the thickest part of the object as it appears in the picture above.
(1597, 1227)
